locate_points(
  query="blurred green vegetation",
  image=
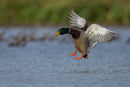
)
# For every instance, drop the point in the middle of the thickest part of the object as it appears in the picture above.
(29, 12)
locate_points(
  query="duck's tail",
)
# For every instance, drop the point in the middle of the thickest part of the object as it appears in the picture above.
(86, 56)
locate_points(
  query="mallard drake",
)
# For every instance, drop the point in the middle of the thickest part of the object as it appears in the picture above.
(85, 37)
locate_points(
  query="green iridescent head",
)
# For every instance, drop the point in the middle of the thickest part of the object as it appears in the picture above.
(62, 31)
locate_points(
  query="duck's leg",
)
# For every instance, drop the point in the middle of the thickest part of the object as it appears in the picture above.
(78, 58)
(73, 54)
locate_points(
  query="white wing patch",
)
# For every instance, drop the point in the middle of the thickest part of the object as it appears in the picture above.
(100, 34)
(76, 21)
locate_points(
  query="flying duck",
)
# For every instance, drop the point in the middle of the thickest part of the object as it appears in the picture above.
(85, 37)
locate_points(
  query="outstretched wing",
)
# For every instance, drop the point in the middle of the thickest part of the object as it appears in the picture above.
(100, 34)
(77, 21)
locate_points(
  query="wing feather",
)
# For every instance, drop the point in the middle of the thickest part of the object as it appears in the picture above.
(100, 34)
(77, 21)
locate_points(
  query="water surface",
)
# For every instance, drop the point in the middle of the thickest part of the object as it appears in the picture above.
(47, 64)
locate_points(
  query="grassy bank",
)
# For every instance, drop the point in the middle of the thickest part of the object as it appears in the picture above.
(25, 12)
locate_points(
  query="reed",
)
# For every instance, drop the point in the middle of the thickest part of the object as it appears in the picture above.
(128, 40)
(2, 34)
(53, 12)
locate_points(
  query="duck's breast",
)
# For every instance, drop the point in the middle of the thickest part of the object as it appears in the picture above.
(82, 43)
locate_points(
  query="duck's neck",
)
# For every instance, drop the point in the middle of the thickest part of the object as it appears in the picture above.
(65, 30)
(74, 32)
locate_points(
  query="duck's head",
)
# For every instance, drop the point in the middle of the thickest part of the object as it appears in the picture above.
(62, 31)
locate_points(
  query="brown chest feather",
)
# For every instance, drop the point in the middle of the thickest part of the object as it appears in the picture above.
(75, 33)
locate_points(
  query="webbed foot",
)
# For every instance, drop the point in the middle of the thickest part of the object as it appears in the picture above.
(78, 58)
(73, 54)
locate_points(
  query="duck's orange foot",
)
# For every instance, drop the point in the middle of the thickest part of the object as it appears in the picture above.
(73, 54)
(78, 58)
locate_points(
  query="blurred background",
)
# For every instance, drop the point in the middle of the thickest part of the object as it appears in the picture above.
(30, 55)
(54, 12)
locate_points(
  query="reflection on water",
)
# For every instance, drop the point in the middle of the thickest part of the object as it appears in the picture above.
(47, 63)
